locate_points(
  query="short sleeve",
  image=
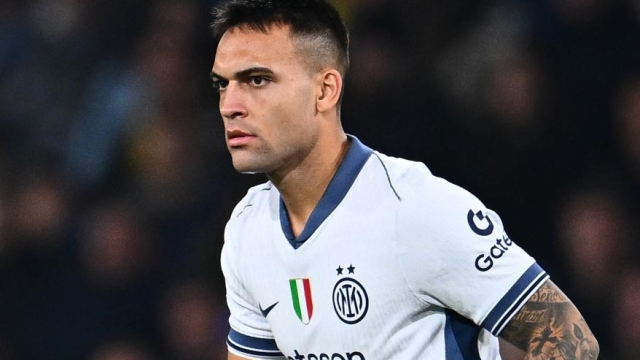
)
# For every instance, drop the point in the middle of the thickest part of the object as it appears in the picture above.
(456, 253)
(249, 335)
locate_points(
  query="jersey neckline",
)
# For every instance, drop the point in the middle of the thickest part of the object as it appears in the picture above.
(345, 176)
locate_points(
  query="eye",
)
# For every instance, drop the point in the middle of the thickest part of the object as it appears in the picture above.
(220, 84)
(258, 81)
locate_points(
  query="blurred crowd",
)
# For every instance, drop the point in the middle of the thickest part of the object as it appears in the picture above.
(115, 183)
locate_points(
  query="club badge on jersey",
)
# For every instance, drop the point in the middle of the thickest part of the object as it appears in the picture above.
(350, 299)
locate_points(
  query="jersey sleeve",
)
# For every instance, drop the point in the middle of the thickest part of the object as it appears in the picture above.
(456, 253)
(249, 335)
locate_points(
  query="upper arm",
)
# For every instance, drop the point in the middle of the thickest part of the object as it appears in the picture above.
(550, 327)
(456, 253)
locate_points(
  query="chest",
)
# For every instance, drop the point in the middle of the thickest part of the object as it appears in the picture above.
(336, 292)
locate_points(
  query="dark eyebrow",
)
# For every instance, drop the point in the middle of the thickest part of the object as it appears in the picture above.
(244, 73)
(215, 77)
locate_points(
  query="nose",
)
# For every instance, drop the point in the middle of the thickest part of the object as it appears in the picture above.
(232, 102)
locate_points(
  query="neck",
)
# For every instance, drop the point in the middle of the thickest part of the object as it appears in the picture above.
(302, 188)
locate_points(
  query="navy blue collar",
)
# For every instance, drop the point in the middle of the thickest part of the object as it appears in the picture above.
(353, 161)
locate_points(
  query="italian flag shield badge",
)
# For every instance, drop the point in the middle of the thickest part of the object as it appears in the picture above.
(302, 301)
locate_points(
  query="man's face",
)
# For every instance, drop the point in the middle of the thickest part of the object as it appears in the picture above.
(267, 100)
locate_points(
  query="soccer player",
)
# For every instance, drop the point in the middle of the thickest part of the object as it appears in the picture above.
(347, 253)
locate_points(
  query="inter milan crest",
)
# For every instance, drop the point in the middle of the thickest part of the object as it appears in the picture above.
(350, 299)
(302, 300)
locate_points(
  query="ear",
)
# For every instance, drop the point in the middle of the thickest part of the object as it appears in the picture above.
(330, 87)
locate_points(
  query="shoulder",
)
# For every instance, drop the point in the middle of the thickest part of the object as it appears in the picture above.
(434, 213)
(400, 174)
(399, 168)
(416, 185)
(256, 195)
(251, 208)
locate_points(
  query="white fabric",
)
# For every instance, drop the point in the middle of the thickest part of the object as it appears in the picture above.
(422, 271)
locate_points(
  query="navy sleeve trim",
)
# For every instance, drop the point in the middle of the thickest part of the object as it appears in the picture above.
(514, 299)
(251, 346)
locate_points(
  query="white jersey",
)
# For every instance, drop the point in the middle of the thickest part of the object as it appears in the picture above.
(394, 263)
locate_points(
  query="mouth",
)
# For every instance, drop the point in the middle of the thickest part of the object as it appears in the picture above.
(237, 138)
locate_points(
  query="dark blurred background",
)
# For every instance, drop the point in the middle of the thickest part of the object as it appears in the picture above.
(115, 184)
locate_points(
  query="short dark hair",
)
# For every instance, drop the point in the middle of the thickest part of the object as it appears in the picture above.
(317, 22)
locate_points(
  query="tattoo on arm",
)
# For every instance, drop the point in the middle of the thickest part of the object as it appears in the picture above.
(550, 327)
